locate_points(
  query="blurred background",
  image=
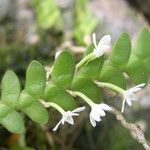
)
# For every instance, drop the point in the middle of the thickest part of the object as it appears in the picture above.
(36, 29)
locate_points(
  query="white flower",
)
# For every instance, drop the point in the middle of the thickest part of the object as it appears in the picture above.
(102, 46)
(130, 96)
(68, 117)
(98, 111)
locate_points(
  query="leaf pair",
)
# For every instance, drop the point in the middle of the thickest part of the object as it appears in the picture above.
(138, 65)
(116, 64)
(61, 79)
(12, 98)
(10, 118)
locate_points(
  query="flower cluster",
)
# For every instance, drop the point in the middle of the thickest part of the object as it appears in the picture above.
(97, 110)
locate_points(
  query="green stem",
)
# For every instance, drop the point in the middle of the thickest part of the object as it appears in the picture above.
(86, 58)
(84, 97)
(54, 105)
(111, 86)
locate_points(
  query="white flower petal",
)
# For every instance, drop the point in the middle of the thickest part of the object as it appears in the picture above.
(92, 121)
(74, 114)
(123, 104)
(105, 107)
(128, 100)
(95, 115)
(79, 109)
(70, 120)
(57, 125)
(102, 113)
(133, 97)
(105, 40)
(98, 52)
(134, 89)
(139, 85)
(94, 40)
(104, 48)
(129, 95)
(98, 111)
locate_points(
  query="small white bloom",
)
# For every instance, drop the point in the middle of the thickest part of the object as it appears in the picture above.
(102, 46)
(98, 111)
(68, 117)
(130, 96)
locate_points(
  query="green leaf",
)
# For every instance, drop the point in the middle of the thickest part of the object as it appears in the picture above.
(136, 70)
(63, 70)
(146, 63)
(51, 91)
(35, 79)
(59, 96)
(121, 51)
(92, 69)
(33, 108)
(10, 89)
(87, 87)
(11, 119)
(112, 75)
(4, 110)
(142, 46)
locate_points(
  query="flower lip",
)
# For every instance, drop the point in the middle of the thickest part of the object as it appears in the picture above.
(129, 95)
(98, 111)
(102, 46)
(68, 117)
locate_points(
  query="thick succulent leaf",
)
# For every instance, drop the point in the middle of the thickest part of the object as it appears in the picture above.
(142, 46)
(121, 51)
(13, 122)
(25, 100)
(65, 100)
(37, 112)
(59, 96)
(10, 89)
(112, 75)
(4, 110)
(51, 91)
(136, 70)
(33, 108)
(92, 69)
(35, 79)
(87, 87)
(63, 69)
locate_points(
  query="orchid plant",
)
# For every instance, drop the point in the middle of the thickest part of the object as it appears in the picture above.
(84, 79)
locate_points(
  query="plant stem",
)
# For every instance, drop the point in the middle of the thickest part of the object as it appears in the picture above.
(54, 105)
(111, 86)
(86, 58)
(84, 97)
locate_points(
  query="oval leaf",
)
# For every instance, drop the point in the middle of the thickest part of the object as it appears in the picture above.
(136, 70)
(121, 51)
(142, 46)
(13, 122)
(33, 108)
(63, 69)
(112, 75)
(87, 87)
(59, 96)
(35, 79)
(10, 89)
